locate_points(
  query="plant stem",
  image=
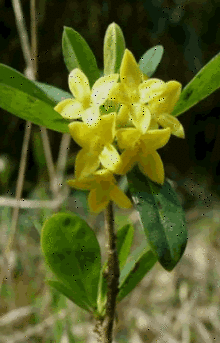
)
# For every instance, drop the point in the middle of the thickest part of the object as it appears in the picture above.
(112, 276)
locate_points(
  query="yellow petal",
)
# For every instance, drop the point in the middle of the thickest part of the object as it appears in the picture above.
(120, 198)
(110, 158)
(153, 125)
(104, 177)
(123, 116)
(80, 132)
(151, 165)
(97, 202)
(79, 86)
(84, 184)
(102, 87)
(69, 109)
(106, 127)
(155, 139)
(166, 101)
(150, 90)
(129, 71)
(172, 92)
(119, 93)
(144, 77)
(141, 117)
(167, 120)
(86, 163)
(128, 160)
(91, 116)
(127, 138)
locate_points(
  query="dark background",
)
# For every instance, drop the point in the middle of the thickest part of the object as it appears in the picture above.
(188, 30)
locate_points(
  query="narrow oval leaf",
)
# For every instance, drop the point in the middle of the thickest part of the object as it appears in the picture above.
(25, 99)
(162, 217)
(53, 93)
(28, 107)
(77, 54)
(124, 241)
(134, 272)
(72, 251)
(76, 294)
(13, 79)
(114, 47)
(206, 81)
(149, 61)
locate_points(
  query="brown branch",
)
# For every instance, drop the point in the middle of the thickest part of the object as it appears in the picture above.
(112, 277)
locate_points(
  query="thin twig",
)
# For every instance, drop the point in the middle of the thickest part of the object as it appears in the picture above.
(22, 31)
(19, 17)
(25, 203)
(62, 156)
(34, 48)
(112, 276)
(19, 185)
(49, 161)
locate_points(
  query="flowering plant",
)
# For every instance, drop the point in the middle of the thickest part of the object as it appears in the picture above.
(120, 120)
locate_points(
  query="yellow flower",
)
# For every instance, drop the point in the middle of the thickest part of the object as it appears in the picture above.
(128, 93)
(143, 100)
(162, 103)
(96, 142)
(86, 101)
(141, 149)
(103, 188)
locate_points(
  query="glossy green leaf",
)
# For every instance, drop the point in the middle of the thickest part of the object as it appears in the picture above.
(162, 217)
(76, 294)
(72, 251)
(114, 47)
(206, 81)
(13, 79)
(30, 108)
(53, 93)
(149, 61)
(134, 271)
(124, 241)
(77, 54)
(25, 99)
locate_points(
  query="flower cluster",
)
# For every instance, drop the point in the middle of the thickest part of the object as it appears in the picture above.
(119, 124)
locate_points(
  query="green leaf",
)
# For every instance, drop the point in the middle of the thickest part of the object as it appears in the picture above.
(114, 47)
(162, 217)
(102, 292)
(124, 241)
(206, 81)
(77, 54)
(149, 61)
(11, 78)
(72, 251)
(53, 93)
(134, 271)
(76, 294)
(24, 99)
(30, 108)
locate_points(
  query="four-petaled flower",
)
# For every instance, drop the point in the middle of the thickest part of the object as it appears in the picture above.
(141, 149)
(103, 188)
(86, 101)
(96, 142)
(145, 100)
